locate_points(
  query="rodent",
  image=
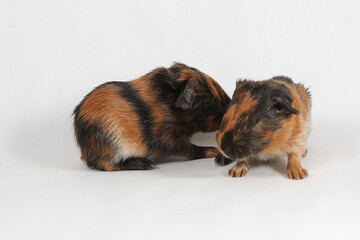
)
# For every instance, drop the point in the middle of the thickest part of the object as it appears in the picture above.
(120, 124)
(265, 120)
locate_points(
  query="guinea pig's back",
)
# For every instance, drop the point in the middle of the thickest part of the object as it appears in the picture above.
(110, 108)
(153, 105)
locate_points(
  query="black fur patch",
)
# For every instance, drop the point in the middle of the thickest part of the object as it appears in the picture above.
(130, 94)
(85, 132)
(137, 164)
(227, 144)
(221, 160)
(164, 85)
(203, 80)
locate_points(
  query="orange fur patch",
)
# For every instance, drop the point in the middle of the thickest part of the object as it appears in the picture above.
(234, 113)
(105, 106)
(105, 164)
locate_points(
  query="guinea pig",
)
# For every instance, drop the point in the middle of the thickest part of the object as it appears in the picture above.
(265, 120)
(120, 124)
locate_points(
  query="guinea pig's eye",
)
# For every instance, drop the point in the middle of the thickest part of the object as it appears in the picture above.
(278, 108)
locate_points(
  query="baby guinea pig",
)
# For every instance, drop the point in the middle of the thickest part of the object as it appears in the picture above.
(119, 124)
(265, 120)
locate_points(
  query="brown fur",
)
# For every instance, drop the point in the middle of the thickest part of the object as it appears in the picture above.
(247, 104)
(261, 131)
(119, 124)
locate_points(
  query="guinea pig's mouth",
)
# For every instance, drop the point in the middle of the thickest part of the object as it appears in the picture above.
(237, 155)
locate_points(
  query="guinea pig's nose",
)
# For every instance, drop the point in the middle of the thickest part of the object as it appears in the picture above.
(229, 151)
(227, 145)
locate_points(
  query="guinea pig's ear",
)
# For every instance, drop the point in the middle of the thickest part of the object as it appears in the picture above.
(283, 106)
(186, 97)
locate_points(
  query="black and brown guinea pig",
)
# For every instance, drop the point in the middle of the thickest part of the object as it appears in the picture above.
(265, 120)
(119, 124)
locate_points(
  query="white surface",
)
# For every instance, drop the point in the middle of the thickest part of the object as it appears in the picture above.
(52, 53)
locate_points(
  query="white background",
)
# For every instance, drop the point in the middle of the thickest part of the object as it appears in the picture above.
(52, 53)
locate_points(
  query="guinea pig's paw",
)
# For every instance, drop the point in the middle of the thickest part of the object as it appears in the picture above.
(138, 164)
(297, 172)
(221, 160)
(239, 170)
(211, 152)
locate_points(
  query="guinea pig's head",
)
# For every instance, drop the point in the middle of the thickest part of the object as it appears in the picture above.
(200, 99)
(257, 112)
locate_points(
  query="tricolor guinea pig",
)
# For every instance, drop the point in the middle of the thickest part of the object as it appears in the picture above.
(119, 124)
(265, 120)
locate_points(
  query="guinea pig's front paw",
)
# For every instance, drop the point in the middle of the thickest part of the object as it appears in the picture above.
(211, 152)
(239, 170)
(297, 172)
(221, 160)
